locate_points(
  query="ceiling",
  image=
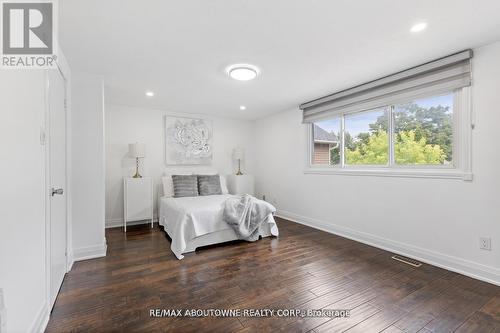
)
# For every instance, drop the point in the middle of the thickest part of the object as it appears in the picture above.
(305, 49)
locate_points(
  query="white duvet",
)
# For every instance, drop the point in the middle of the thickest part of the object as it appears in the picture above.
(187, 218)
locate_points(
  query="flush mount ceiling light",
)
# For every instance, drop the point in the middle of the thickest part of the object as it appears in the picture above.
(243, 72)
(150, 93)
(421, 26)
(242, 107)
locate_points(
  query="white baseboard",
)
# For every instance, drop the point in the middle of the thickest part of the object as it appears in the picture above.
(113, 223)
(455, 264)
(71, 261)
(41, 320)
(89, 252)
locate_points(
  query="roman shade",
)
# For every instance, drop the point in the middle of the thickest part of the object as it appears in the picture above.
(439, 76)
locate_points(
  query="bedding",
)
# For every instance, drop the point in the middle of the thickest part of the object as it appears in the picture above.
(223, 185)
(209, 185)
(185, 186)
(186, 219)
(168, 186)
(245, 214)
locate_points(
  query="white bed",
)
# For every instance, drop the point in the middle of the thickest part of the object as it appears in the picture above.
(193, 222)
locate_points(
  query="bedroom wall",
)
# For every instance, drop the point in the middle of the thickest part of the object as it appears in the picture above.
(438, 221)
(126, 125)
(87, 179)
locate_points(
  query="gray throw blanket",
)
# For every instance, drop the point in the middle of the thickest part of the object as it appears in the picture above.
(245, 214)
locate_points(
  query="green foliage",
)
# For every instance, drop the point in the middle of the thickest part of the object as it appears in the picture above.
(335, 151)
(374, 151)
(423, 135)
(407, 150)
(335, 155)
(434, 124)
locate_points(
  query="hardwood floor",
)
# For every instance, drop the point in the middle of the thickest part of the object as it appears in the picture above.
(302, 269)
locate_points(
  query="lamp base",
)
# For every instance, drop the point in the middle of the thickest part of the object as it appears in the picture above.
(239, 173)
(137, 175)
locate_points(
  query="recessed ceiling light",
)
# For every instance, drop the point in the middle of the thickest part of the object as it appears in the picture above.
(243, 72)
(150, 93)
(242, 107)
(421, 26)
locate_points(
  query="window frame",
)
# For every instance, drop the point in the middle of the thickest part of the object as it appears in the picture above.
(459, 168)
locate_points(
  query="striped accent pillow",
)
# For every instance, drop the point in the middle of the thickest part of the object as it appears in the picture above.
(209, 184)
(185, 185)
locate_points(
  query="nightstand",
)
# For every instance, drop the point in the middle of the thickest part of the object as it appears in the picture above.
(242, 184)
(137, 200)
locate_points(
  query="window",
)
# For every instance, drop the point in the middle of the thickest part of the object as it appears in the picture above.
(420, 134)
(326, 142)
(366, 141)
(413, 123)
(423, 131)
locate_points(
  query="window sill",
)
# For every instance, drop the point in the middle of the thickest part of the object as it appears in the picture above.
(402, 173)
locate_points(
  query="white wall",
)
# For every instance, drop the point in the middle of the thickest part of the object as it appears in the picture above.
(22, 197)
(88, 176)
(438, 221)
(126, 125)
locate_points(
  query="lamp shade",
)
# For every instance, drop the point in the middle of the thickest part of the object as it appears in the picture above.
(136, 150)
(239, 153)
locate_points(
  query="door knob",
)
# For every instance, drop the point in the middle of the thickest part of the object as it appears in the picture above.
(55, 191)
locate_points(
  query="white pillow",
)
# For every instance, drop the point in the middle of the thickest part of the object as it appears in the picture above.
(223, 184)
(168, 186)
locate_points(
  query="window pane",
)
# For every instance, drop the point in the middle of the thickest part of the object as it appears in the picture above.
(326, 143)
(423, 131)
(366, 139)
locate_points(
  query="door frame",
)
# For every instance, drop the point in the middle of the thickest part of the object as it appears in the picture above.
(45, 137)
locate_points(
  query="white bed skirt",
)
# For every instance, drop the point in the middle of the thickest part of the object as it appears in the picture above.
(224, 236)
(267, 229)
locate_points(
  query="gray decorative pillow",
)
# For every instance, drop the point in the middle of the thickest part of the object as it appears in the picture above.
(209, 184)
(185, 185)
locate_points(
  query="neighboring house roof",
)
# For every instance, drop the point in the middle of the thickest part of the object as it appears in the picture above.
(320, 135)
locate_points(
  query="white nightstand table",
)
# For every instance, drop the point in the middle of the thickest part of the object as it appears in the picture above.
(137, 200)
(242, 184)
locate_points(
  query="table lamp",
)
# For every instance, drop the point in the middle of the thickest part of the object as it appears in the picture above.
(137, 150)
(239, 154)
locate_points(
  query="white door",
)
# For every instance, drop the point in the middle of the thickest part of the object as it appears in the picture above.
(57, 174)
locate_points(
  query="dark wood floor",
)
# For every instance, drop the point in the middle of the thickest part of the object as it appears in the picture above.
(304, 268)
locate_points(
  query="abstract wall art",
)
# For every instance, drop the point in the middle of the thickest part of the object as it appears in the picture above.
(188, 141)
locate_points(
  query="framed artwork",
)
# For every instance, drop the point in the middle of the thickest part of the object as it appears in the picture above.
(188, 141)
